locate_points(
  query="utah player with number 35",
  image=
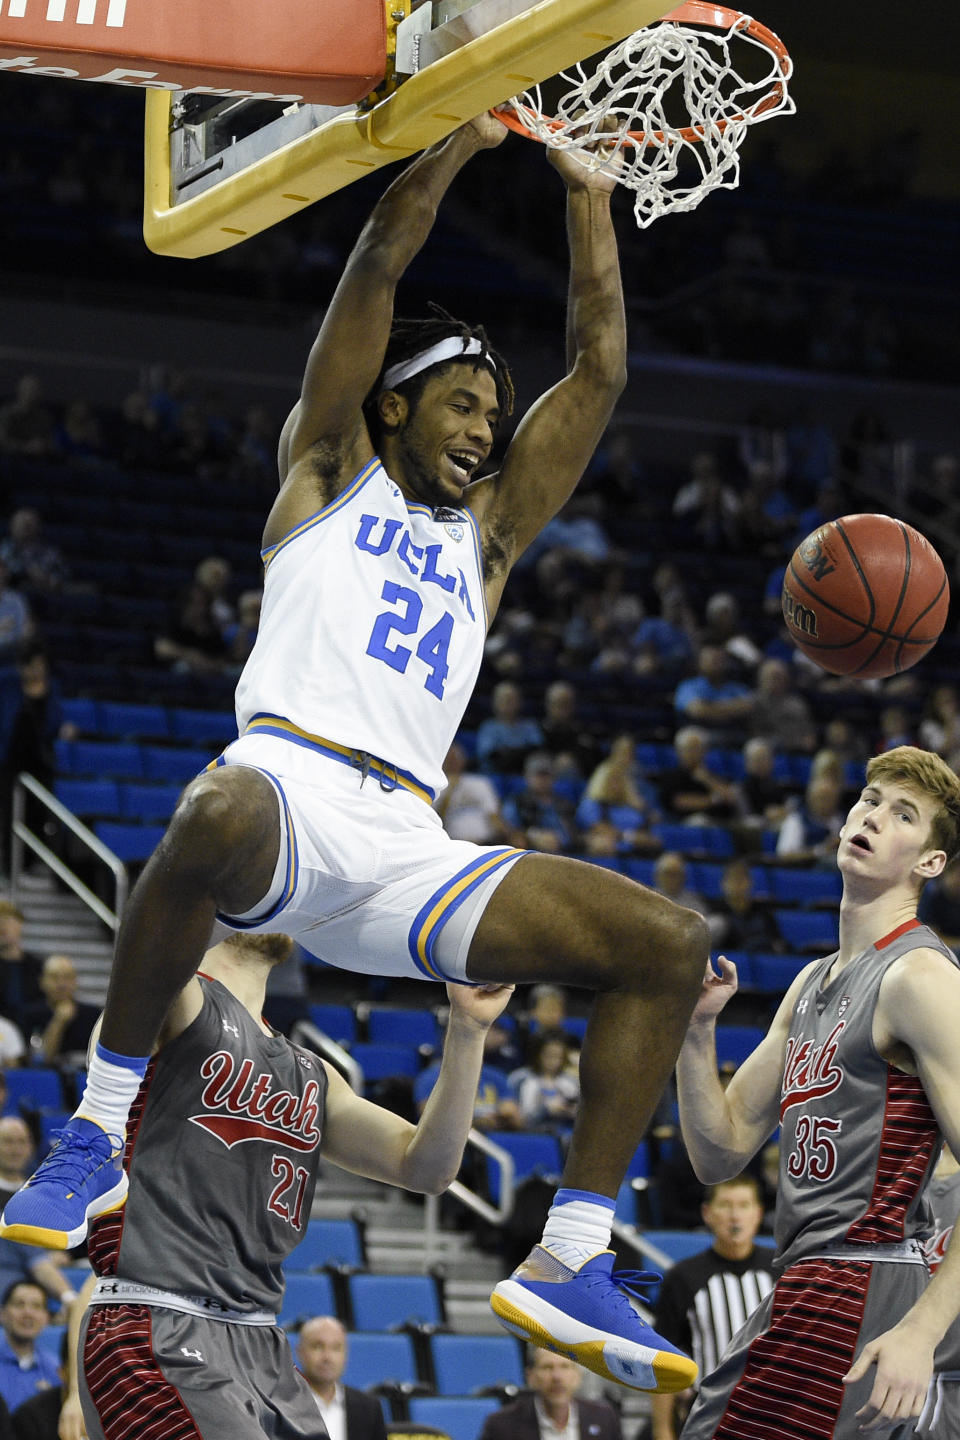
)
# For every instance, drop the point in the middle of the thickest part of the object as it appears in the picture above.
(861, 1068)
(180, 1337)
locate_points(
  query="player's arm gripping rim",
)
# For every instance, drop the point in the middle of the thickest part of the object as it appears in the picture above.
(325, 441)
(371, 1141)
(724, 1128)
(918, 1008)
(558, 435)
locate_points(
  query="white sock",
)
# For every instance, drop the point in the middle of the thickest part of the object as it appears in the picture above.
(110, 1091)
(578, 1226)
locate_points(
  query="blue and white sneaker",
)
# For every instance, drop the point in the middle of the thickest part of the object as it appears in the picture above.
(585, 1314)
(81, 1178)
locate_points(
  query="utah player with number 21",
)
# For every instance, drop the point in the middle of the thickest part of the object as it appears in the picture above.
(386, 554)
(861, 1068)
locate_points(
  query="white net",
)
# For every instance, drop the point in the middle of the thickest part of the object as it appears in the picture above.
(669, 107)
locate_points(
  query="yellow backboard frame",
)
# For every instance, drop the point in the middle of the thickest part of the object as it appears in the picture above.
(482, 73)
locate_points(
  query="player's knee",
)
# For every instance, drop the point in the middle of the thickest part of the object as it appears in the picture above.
(210, 819)
(690, 944)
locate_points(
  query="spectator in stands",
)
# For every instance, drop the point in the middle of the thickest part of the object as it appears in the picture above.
(743, 922)
(710, 507)
(895, 729)
(19, 968)
(552, 1410)
(348, 1414)
(617, 797)
(505, 739)
(26, 424)
(690, 791)
(711, 699)
(193, 640)
(257, 443)
(811, 829)
(16, 622)
(723, 628)
(763, 798)
(780, 714)
(25, 1369)
(670, 878)
(31, 721)
(563, 735)
(140, 439)
(469, 807)
(60, 1025)
(540, 818)
(240, 635)
(13, 1047)
(664, 644)
(34, 565)
(940, 906)
(26, 1262)
(79, 436)
(847, 743)
(705, 1299)
(940, 725)
(42, 1417)
(495, 1107)
(547, 1092)
(215, 577)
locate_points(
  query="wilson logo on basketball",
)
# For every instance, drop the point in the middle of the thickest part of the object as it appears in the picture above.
(246, 1107)
(810, 1071)
(801, 617)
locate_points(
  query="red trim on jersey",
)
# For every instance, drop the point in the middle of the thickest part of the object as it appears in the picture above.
(895, 934)
(908, 1140)
(131, 1395)
(106, 1232)
(792, 1380)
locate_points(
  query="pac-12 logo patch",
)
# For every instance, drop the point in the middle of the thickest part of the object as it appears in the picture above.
(455, 532)
(843, 1006)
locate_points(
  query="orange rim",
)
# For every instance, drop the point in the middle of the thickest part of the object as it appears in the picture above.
(693, 12)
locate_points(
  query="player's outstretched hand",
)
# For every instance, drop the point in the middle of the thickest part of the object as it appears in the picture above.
(480, 1003)
(716, 990)
(489, 130)
(904, 1364)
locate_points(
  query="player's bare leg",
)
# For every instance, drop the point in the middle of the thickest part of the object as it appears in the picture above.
(570, 922)
(219, 853)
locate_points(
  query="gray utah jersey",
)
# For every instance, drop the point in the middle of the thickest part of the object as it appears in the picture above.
(222, 1151)
(858, 1139)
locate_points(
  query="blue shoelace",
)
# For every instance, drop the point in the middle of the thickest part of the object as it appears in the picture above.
(69, 1162)
(623, 1283)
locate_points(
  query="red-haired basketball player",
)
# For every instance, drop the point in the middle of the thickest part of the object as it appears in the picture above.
(861, 1067)
(386, 554)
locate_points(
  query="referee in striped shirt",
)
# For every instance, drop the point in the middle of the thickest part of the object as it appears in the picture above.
(705, 1299)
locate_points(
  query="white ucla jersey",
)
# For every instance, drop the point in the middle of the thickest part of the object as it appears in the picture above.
(372, 627)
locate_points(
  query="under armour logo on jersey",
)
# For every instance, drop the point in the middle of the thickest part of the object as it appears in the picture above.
(192, 1354)
(234, 1030)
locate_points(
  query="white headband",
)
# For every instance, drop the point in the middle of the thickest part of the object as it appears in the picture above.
(453, 348)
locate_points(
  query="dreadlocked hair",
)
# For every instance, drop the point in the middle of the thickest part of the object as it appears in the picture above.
(411, 337)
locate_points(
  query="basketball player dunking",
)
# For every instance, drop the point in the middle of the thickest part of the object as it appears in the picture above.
(862, 1068)
(386, 556)
(180, 1337)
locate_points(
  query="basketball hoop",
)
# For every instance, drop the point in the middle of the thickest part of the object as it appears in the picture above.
(616, 117)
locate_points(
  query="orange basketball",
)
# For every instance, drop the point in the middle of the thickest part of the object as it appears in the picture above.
(865, 595)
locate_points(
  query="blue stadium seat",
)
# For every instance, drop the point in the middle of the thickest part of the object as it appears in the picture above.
(175, 764)
(461, 1419)
(215, 728)
(387, 1302)
(135, 722)
(735, 1042)
(808, 930)
(374, 1359)
(131, 843)
(774, 973)
(89, 797)
(640, 870)
(403, 1027)
(464, 1364)
(677, 1244)
(80, 712)
(150, 804)
(337, 1021)
(805, 887)
(328, 1242)
(531, 1153)
(100, 758)
(38, 1089)
(380, 1062)
(306, 1296)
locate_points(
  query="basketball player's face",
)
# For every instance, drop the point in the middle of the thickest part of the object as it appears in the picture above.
(887, 832)
(448, 434)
